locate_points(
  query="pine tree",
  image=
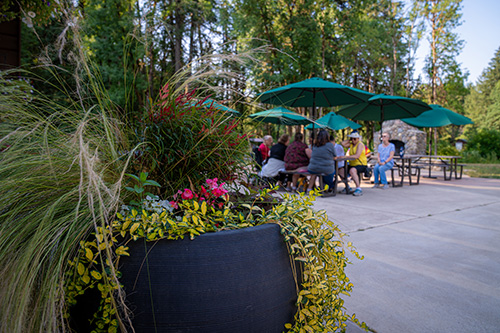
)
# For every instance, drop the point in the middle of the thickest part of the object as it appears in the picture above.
(442, 17)
(483, 103)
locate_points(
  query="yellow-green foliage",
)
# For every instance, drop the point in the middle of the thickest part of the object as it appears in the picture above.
(315, 243)
(318, 246)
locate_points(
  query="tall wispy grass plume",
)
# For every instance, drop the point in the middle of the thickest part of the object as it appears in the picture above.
(60, 178)
(61, 172)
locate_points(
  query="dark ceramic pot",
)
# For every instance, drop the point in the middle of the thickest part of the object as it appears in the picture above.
(228, 281)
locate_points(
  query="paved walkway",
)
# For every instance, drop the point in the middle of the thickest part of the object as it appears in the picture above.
(432, 255)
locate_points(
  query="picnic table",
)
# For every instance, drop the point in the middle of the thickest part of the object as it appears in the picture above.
(449, 164)
(403, 168)
(320, 178)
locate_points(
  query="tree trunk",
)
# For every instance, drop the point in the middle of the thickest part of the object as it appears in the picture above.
(434, 69)
(179, 31)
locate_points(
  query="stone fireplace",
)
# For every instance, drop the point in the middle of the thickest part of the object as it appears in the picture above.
(415, 140)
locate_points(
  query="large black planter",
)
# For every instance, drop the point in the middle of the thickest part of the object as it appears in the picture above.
(229, 281)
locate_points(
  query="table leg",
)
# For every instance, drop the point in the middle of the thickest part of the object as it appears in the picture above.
(430, 167)
(409, 171)
(455, 167)
(336, 178)
(402, 172)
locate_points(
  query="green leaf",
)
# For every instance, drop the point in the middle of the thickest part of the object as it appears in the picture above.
(144, 177)
(152, 183)
(81, 268)
(154, 196)
(89, 254)
(133, 176)
(138, 189)
(96, 275)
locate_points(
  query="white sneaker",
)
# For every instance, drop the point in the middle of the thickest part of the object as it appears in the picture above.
(385, 187)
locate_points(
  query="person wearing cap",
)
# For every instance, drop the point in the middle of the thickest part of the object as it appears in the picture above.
(357, 159)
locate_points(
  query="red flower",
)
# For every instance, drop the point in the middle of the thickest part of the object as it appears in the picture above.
(187, 194)
(204, 191)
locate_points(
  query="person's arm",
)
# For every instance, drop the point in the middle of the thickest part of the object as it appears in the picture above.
(345, 143)
(309, 152)
(391, 156)
(359, 150)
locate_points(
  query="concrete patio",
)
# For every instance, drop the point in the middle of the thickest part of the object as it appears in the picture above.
(432, 255)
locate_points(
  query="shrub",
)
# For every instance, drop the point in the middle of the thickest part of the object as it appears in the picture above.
(486, 142)
(185, 142)
(447, 150)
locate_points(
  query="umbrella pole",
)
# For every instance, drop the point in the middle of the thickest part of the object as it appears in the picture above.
(313, 114)
(430, 154)
(381, 119)
(435, 141)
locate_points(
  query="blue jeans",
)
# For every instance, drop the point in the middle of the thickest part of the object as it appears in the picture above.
(327, 180)
(379, 170)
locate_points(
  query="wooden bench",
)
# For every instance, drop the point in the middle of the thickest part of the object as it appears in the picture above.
(445, 167)
(305, 174)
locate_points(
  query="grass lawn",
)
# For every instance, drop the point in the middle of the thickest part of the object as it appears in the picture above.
(482, 170)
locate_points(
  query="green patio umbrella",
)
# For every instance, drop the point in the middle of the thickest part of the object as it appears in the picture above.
(211, 103)
(385, 107)
(280, 116)
(436, 117)
(334, 122)
(314, 92)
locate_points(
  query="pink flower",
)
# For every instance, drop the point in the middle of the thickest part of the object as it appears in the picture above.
(204, 191)
(187, 194)
(174, 204)
(219, 192)
(212, 183)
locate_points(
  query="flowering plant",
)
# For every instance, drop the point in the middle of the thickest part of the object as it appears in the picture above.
(314, 241)
(186, 140)
(214, 195)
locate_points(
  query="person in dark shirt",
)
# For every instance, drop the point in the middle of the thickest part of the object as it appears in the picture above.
(297, 157)
(276, 161)
(322, 161)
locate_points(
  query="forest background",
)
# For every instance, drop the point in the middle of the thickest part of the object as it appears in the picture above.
(366, 44)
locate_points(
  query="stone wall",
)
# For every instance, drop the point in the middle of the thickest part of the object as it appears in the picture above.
(414, 139)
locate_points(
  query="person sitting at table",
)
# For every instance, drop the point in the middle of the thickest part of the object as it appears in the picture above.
(276, 161)
(357, 160)
(339, 151)
(322, 161)
(297, 157)
(368, 152)
(385, 161)
(265, 146)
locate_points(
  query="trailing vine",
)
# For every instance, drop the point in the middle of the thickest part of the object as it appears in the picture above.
(315, 243)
